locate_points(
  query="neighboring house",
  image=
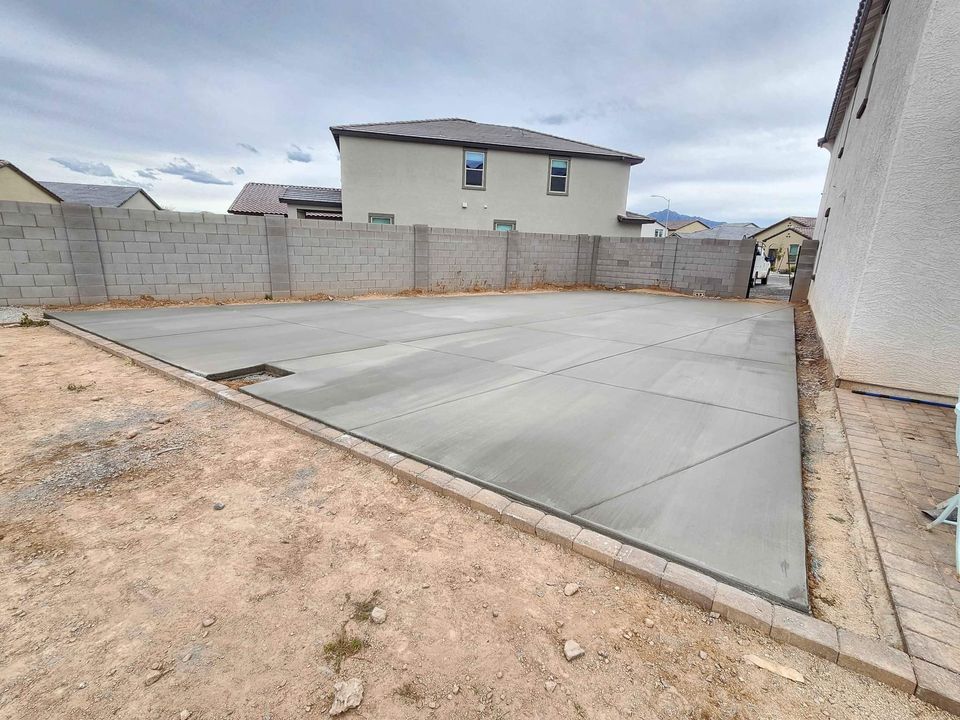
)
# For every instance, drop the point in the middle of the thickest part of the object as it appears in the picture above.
(884, 291)
(295, 201)
(783, 240)
(463, 174)
(118, 196)
(649, 227)
(686, 226)
(726, 231)
(16, 185)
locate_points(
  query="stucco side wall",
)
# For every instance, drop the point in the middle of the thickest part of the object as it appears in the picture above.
(864, 211)
(420, 183)
(905, 331)
(14, 188)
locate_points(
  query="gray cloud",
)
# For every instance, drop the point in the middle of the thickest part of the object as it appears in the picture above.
(188, 171)
(237, 170)
(298, 155)
(85, 167)
(147, 173)
(729, 129)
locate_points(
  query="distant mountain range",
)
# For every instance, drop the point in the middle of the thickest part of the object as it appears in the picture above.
(661, 216)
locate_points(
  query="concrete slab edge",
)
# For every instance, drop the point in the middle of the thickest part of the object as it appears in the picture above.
(867, 656)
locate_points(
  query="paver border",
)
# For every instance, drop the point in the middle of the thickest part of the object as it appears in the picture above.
(859, 653)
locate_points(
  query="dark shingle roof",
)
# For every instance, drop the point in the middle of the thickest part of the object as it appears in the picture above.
(727, 231)
(677, 224)
(306, 195)
(635, 218)
(264, 198)
(96, 195)
(457, 131)
(869, 15)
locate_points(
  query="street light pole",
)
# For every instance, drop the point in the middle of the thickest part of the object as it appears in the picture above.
(665, 228)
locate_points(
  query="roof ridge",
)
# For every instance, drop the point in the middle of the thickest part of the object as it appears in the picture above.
(403, 122)
(566, 139)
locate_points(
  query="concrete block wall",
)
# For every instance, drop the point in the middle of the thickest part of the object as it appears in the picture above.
(35, 263)
(76, 254)
(349, 258)
(629, 262)
(467, 259)
(181, 255)
(713, 267)
(541, 258)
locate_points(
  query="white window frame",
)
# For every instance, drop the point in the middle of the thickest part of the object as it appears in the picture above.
(463, 176)
(386, 216)
(566, 178)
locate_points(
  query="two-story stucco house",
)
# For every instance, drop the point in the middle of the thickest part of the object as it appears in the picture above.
(884, 291)
(464, 174)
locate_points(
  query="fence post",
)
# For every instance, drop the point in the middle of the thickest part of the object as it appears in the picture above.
(741, 277)
(421, 257)
(278, 255)
(594, 257)
(85, 252)
(804, 273)
(511, 257)
(668, 260)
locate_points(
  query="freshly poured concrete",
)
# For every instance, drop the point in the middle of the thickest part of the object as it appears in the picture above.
(668, 422)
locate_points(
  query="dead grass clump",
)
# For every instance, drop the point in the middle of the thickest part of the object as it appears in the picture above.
(342, 647)
(363, 608)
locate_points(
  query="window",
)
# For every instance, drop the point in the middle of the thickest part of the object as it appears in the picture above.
(559, 175)
(504, 225)
(380, 219)
(475, 169)
(793, 252)
(658, 233)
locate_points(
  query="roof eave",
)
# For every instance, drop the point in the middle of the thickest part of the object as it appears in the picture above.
(865, 28)
(634, 221)
(351, 132)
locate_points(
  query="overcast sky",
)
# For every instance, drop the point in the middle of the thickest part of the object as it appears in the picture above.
(725, 98)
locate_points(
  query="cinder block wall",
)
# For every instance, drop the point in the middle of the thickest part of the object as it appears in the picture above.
(467, 259)
(629, 262)
(75, 254)
(541, 258)
(327, 257)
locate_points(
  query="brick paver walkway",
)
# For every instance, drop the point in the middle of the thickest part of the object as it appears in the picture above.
(906, 460)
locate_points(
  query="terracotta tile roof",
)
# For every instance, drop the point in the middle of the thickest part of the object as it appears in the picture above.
(457, 131)
(264, 198)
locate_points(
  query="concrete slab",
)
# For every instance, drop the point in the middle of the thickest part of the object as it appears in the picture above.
(363, 387)
(526, 348)
(739, 343)
(633, 325)
(220, 352)
(569, 444)
(662, 421)
(750, 385)
(689, 516)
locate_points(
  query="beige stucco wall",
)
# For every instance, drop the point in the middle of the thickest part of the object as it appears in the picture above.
(780, 237)
(419, 183)
(138, 201)
(14, 187)
(885, 293)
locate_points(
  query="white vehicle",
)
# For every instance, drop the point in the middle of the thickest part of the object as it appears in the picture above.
(761, 267)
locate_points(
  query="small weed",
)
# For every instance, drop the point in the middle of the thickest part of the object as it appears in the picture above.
(342, 647)
(363, 608)
(268, 296)
(77, 387)
(409, 691)
(27, 321)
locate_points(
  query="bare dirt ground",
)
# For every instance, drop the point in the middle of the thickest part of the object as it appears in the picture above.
(114, 557)
(845, 576)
